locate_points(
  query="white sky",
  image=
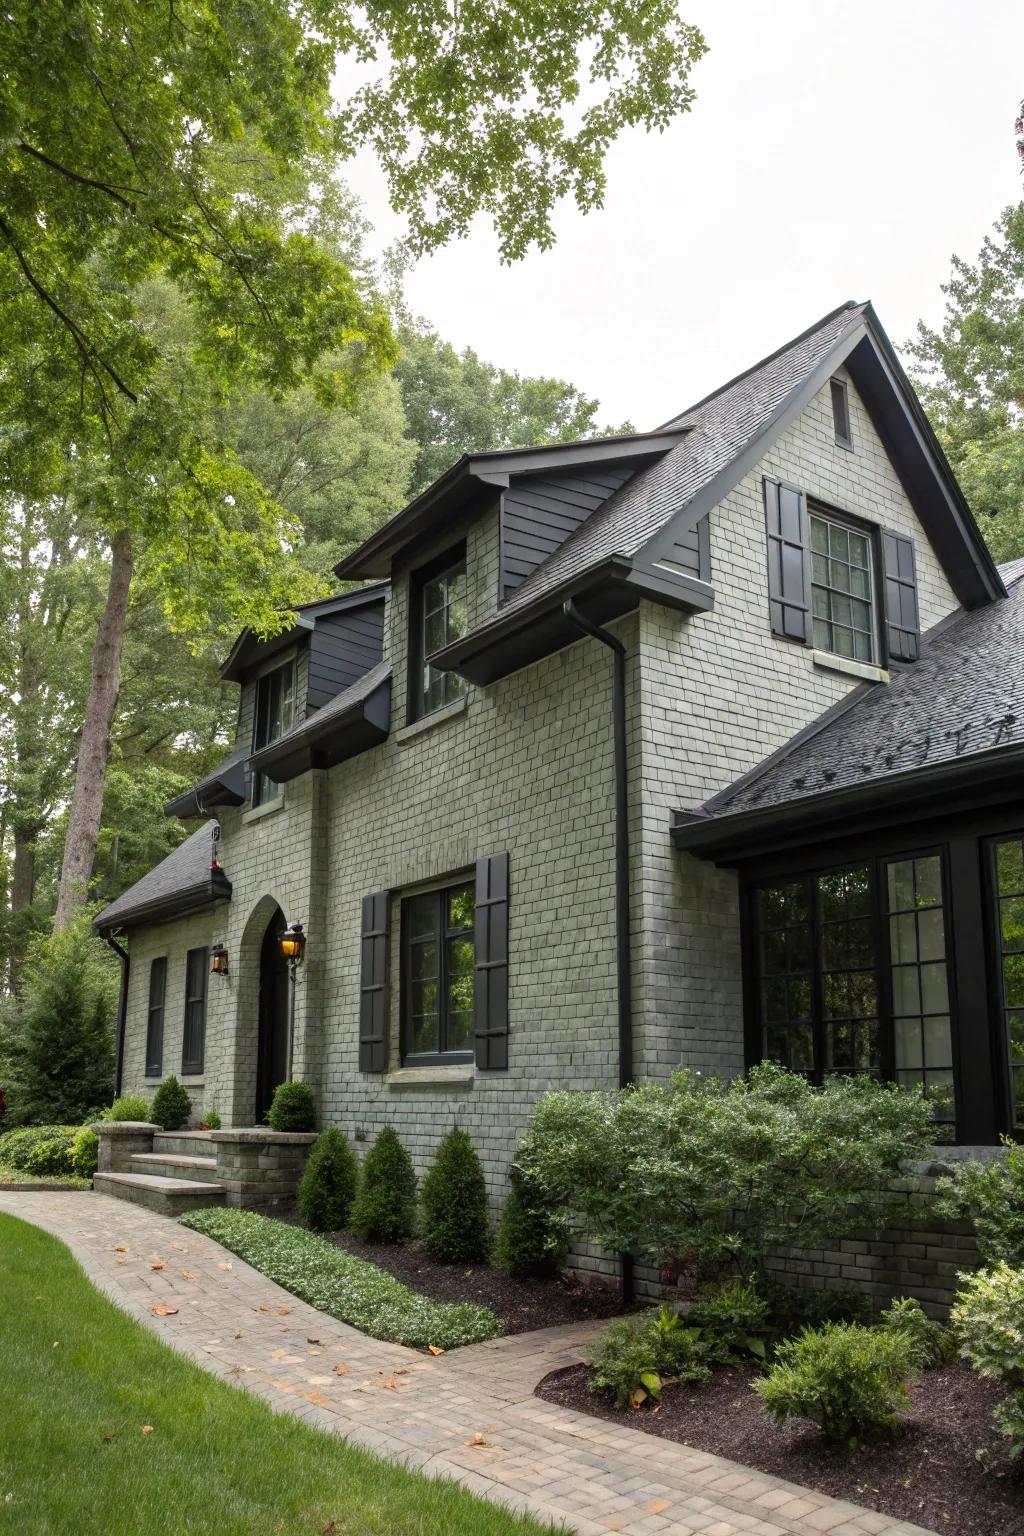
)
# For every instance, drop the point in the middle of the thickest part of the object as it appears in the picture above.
(834, 151)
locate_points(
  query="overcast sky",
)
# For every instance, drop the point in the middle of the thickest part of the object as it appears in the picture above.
(834, 151)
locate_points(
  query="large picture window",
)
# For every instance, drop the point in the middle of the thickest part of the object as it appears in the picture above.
(193, 1045)
(275, 714)
(437, 974)
(1009, 903)
(438, 618)
(843, 617)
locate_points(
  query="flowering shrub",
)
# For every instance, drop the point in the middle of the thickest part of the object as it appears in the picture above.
(988, 1323)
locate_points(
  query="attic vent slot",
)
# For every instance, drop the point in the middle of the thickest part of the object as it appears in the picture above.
(841, 413)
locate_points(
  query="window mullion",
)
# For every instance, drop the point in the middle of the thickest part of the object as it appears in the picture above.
(442, 974)
(883, 972)
(817, 978)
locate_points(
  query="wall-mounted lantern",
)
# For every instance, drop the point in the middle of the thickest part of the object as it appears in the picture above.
(293, 944)
(218, 960)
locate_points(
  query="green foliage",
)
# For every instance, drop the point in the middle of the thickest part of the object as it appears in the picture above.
(328, 1184)
(987, 1321)
(293, 1108)
(453, 1203)
(794, 1307)
(969, 376)
(342, 1285)
(85, 1152)
(728, 1170)
(171, 1108)
(130, 1106)
(39, 1149)
(849, 1380)
(733, 1323)
(991, 1193)
(638, 1356)
(61, 1027)
(928, 1340)
(384, 1210)
(211, 1120)
(532, 1238)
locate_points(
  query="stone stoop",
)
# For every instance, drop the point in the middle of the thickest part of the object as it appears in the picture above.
(165, 1165)
(167, 1197)
(172, 1172)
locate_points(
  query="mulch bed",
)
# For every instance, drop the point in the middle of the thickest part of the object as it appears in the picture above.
(949, 1471)
(520, 1304)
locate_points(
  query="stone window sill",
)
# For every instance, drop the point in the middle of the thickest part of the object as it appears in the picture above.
(438, 717)
(193, 1082)
(867, 674)
(462, 1076)
(257, 812)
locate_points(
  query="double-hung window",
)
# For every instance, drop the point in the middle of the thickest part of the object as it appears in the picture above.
(438, 619)
(193, 1044)
(437, 974)
(844, 618)
(275, 714)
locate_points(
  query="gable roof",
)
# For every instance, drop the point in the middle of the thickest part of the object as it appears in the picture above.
(249, 648)
(223, 785)
(349, 723)
(186, 879)
(957, 711)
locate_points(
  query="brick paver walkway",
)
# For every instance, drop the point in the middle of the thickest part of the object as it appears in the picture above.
(470, 1415)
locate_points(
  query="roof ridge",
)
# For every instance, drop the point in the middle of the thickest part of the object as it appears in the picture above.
(850, 304)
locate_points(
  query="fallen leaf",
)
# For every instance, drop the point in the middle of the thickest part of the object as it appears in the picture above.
(392, 1385)
(278, 1354)
(162, 1309)
(147, 1429)
(434, 1350)
(107, 1439)
(158, 1264)
(478, 1440)
(319, 1399)
(56, 1344)
(263, 1305)
(187, 1274)
(283, 1311)
(657, 1506)
(121, 1248)
(282, 1386)
(238, 1333)
(311, 1340)
(341, 1369)
(122, 1261)
(341, 1349)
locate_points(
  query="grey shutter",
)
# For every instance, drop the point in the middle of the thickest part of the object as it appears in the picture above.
(902, 622)
(490, 980)
(155, 1017)
(193, 1044)
(373, 982)
(789, 566)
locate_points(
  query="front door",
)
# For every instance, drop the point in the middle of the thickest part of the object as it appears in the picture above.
(272, 1060)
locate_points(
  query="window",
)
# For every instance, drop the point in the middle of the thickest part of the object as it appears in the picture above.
(275, 714)
(842, 590)
(841, 413)
(439, 618)
(155, 1017)
(1009, 883)
(437, 974)
(851, 975)
(193, 1045)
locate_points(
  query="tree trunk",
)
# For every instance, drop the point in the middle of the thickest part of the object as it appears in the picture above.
(94, 746)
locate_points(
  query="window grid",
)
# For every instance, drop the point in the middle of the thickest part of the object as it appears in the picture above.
(842, 590)
(922, 1036)
(443, 620)
(438, 973)
(784, 942)
(1009, 887)
(848, 977)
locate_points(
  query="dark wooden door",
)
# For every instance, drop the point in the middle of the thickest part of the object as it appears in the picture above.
(272, 1063)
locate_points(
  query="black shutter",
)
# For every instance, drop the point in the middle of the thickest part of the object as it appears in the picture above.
(193, 1046)
(155, 1017)
(789, 572)
(373, 982)
(902, 622)
(490, 980)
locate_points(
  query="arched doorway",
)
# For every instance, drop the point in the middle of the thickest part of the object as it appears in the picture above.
(272, 1053)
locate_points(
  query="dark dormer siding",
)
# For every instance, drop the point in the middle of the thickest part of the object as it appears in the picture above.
(691, 551)
(246, 713)
(538, 514)
(341, 649)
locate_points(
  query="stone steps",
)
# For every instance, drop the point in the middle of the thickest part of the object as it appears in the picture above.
(167, 1165)
(184, 1143)
(168, 1197)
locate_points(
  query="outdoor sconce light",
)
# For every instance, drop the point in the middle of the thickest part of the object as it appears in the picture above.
(293, 944)
(218, 960)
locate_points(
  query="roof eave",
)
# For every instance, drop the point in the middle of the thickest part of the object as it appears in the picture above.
(162, 909)
(326, 741)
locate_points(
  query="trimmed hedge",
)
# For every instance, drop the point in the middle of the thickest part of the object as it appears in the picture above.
(40, 1149)
(453, 1200)
(293, 1108)
(343, 1286)
(328, 1184)
(171, 1109)
(384, 1210)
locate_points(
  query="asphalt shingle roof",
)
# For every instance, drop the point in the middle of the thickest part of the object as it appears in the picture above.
(964, 695)
(187, 868)
(313, 723)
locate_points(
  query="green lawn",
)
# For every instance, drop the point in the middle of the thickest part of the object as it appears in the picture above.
(79, 1381)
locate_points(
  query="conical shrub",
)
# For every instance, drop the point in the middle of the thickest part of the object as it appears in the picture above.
(172, 1105)
(531, 1240)
(454, 1203)
(328, 1185)
(385, 1207)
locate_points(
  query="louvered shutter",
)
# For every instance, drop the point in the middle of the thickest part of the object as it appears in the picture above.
(373, 982)
(155, 1017)
(490, 980)
(789, 572)
(902, 622)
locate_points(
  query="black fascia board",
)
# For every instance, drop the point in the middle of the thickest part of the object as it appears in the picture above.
(324, 741)
(457, 487)
(248, 648)
(527, 634)
(225, 786)
(941, 789)
(162, 909)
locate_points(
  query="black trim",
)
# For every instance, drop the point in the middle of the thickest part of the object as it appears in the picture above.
(441, 935)
(447, 562)
(155, 1017)
(162, 909)
(374, 994)
(899, 596)
(193, 1033)
(787, 528)
(490, 963)
(332, 735)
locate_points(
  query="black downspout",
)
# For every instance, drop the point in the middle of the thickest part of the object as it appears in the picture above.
(122, 1010)
(623, 958)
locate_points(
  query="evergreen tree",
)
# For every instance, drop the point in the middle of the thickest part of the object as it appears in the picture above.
(454, 1203)
(385, 1207)
(328, 1185)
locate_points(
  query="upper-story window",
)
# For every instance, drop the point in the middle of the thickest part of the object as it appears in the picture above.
(841, 413)
(843, 617)
(438, 615)
(275, 714)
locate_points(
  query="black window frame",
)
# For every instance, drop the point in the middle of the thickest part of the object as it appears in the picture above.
(261, 783)
(453, 686)
(809, 873)
(154, 1066)
(826, 513)
(997, 955)
(839, 391)
(193, 1032)
(443, 934)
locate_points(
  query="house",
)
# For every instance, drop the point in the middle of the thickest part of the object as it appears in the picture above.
(686, 747)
